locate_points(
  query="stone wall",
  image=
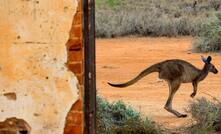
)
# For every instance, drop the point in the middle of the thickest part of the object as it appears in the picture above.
(35, 84)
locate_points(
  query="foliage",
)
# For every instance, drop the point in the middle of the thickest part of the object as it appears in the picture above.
(108, 3)
(117, 118)
(152, 17)
(205, 113)
(209, 38)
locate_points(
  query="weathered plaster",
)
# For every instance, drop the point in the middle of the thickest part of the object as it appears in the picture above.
(33, 34)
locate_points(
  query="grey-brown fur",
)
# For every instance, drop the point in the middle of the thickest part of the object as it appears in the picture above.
(175, 72)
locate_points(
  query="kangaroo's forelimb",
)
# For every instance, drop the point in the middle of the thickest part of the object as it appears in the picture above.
(194, 83)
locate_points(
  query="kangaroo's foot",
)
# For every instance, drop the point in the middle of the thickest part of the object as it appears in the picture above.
(179, 115)
(193, 94)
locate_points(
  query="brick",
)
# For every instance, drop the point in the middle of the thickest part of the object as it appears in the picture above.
(75, 56)
(77, 106)
(67, 129)
(80, 78)
(77, 31)
(77, 18)
(75, 118)
(75, 67)
(79, 8)
(74, 44)
(72, 41)
(73, 129)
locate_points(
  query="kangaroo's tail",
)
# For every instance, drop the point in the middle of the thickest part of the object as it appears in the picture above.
(153, 68)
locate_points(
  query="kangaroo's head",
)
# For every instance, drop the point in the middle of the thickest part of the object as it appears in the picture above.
(208, 65)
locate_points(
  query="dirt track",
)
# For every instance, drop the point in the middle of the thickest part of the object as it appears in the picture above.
(119, 60)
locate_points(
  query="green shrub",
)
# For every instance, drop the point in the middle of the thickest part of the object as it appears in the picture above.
(152, 17)
(209, 38)
(205, 113)
(108, 3)
(117, 118)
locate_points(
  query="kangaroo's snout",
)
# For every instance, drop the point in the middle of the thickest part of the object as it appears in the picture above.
(215, 71)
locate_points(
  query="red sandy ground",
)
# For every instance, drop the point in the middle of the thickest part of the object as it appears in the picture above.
(120, 59)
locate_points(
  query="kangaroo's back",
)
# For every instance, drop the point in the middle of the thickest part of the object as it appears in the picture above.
(177, 69)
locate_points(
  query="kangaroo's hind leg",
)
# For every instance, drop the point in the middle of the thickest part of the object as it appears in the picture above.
(173, 87)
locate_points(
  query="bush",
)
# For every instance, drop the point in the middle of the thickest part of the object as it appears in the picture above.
(209, 38)
(117, 118)
(205, 113)
(152, 17)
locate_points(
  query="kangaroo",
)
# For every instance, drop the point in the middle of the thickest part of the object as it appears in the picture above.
(175, 72)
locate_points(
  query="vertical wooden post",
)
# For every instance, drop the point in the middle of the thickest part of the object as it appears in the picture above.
(89, 66)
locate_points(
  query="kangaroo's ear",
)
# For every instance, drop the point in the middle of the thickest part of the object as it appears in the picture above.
(204, 59)
(209, 58)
